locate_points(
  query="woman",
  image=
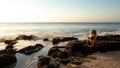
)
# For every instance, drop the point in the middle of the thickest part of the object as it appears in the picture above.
(92, 37)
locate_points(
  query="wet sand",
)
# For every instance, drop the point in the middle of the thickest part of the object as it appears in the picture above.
(104, 60)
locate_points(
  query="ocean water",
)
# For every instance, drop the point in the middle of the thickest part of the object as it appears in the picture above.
(49, 30)
(55, 28)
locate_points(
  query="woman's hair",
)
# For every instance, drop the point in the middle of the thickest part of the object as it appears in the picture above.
(93, 32)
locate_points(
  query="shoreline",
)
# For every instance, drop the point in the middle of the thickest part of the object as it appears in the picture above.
(52, 35)
(48, 44)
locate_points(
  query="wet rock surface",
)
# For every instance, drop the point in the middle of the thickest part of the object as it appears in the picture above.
(74, 46)
(31, 49)
(109, 38)
(56, 53)
(24, 37)
(7, 57)
(10, 42)
(45, 39)
(62, 39)
(77, 52)
(78, 46)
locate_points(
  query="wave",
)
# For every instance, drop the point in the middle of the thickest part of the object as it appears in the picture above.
(80, 35)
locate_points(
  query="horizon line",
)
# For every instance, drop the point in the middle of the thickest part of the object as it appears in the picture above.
(51, 22)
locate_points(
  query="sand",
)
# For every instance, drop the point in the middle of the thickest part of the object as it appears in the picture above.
(104, 60)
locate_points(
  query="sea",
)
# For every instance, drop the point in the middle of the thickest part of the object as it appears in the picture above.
(49, 30)
(7, 29)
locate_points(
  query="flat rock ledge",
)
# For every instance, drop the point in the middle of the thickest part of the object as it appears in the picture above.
(31, 49)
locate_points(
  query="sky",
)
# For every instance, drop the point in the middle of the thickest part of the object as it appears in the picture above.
(59, 10)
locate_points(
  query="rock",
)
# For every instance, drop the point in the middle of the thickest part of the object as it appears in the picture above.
(31, 49)
(9, 47)
(106, 46)
(62, 39)
(8, 51)
(64, 55)
(56, 40)
(7, 57)
(56, 54)
(59, 56)
(109, 38)
(53, 52)
(24, 37)
(43, 61)
(71, 54)
(74, 46)
(10, 42)
(46, 62)
(65, 61)
(45, 39)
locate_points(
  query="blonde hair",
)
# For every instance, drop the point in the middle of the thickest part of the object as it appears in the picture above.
(93, 32)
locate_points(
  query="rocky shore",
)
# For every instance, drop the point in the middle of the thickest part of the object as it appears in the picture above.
(76, 54)
(7, 56)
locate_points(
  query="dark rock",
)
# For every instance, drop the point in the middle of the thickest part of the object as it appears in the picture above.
(65, 61)
(8, 51)
(56, 40)
(69, 56)
(10, 42)
(24, 37)
(77, 46)
(7, 57)
(54, 52)
(106, 46)
(9, 47)
(60, 54)
(43, 61)
(68, 38)
(74, 46)
(45, 39)
(52, 66)
(109, 38)
(63, 55)
(62, 39)
(31, 49)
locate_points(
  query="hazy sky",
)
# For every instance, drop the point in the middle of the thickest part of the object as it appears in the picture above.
(59, 10)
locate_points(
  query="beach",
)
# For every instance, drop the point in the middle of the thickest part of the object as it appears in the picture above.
(39, 33)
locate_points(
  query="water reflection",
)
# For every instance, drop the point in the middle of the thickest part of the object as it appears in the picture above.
(30, 61)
